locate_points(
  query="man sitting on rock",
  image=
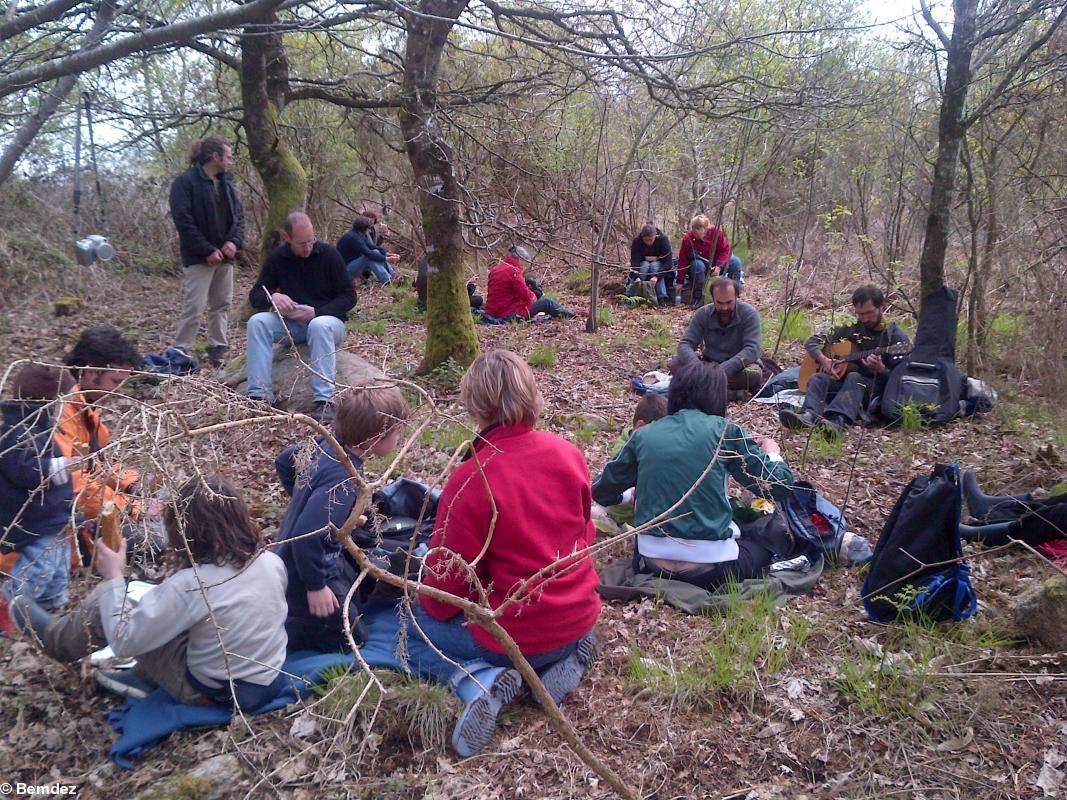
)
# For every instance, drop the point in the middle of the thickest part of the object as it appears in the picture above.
(306, 295)
(728, 333)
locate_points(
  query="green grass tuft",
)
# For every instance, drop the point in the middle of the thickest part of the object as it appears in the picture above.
(543, 357)
(371, 327)
(445, 436)
(754, 641)
(579, 279)
(795, 325)
(410, 711)
(660, 335)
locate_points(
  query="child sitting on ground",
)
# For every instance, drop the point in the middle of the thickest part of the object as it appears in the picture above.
(210, 633)
(650, 408)
(367, 423)
(35, 494)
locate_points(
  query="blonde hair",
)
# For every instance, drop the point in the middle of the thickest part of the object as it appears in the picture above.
(699, 222)
(367, 414)
(500, 388)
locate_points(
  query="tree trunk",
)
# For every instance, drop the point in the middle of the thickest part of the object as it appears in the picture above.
(449, 326)
(985, 262)
(264, 89)
(950, 131)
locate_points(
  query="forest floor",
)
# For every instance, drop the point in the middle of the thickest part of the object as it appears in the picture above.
(809, 701)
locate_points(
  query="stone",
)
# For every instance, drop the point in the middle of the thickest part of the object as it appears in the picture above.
(1041, 614)
(209, 780)
(292, 376)
(66, 306)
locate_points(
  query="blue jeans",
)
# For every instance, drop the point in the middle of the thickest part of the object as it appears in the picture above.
(358, 267)
(453, 639)
(42, 572)
(734, 270)
(550, 307)
(647, 270)
(322, 335)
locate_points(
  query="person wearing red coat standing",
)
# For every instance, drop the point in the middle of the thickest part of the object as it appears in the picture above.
(513, 528)
(510, 294)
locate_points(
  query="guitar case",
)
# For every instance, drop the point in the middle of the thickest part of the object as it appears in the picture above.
(928, 379)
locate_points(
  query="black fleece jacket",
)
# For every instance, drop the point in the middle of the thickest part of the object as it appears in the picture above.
(192, 207)
(320, 281)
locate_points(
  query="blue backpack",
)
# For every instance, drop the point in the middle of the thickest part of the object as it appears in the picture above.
(923, 529)
(171, 361)
(816, 520)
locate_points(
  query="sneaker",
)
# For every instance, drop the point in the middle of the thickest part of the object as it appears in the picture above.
(123, 682)
(477, 723)
(28, 618)
(323, 412)
(795, 420)
(563, 677)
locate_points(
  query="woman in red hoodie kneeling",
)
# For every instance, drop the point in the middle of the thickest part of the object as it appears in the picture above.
(509, 294)
(513, 526)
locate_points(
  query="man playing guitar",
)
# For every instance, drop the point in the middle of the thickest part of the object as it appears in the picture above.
(836, 395)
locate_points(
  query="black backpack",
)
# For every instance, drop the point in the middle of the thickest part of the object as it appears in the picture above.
(928, 378)
(923, 529)
(393, 528)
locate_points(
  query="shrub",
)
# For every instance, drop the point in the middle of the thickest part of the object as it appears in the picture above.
(795, 325)
(544, 357)
(579, 279)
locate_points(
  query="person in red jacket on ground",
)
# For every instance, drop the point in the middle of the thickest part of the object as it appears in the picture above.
(704, 247)
(516, 508)
(509, 294)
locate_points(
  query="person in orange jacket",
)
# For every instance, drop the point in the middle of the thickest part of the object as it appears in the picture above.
(100, 361)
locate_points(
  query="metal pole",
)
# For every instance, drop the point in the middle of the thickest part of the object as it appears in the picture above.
(78, 171)
(96, 170)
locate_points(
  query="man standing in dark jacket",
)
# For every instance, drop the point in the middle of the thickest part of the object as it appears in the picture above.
(211, 229)
(306, 294)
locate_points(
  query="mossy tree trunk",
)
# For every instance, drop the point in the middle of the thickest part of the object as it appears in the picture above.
(449, 327)
(264, 91)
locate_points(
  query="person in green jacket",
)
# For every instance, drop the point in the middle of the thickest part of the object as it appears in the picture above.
(680, 465)
(650, 408)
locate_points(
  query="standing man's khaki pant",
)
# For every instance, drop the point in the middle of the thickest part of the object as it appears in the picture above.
(205, 287)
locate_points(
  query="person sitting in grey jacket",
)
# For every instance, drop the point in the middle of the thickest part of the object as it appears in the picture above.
(728, 333)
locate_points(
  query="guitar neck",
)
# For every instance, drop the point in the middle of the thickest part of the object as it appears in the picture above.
(878, 351)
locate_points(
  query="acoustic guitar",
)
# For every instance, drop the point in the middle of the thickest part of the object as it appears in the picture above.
(845, 355)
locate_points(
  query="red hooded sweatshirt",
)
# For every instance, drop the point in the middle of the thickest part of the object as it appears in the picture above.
(506, 291)
(538, 486)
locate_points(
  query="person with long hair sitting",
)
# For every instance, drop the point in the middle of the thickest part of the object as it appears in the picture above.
(211, 633)
(679, 465)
